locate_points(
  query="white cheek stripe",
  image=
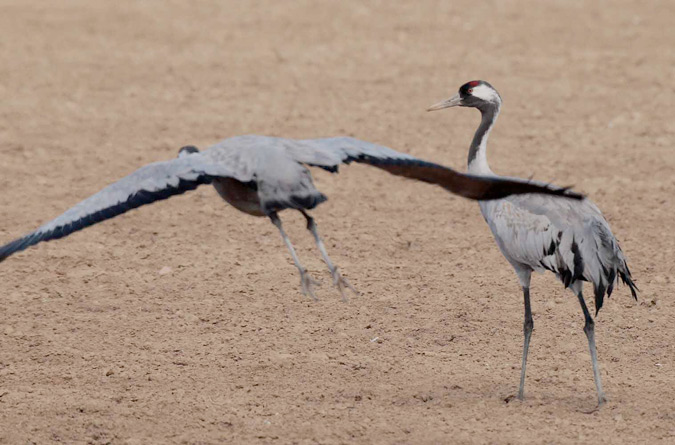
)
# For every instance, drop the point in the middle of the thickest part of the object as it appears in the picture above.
(484, 92)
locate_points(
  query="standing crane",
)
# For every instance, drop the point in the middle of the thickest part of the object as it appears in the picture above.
(261, 176)
(537, 233)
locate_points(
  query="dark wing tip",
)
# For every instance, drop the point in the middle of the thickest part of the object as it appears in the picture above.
(468, 186)
(628, 280)
(135, 200)
(328, 168)
(503, 187)
(600, 290)
(563, 192)
(567, 192)
(17, 246)
(599, 297)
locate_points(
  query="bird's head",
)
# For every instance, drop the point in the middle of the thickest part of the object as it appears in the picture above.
(477, 94)
(187, 150)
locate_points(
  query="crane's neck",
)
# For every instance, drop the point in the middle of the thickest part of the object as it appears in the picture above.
(478, 164)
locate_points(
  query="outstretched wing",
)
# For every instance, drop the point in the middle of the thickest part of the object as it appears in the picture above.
(329, 153)
(148, 184)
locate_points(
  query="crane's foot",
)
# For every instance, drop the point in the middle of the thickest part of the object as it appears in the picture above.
(307, 284)
(601, 401)
(342, 284)
(512, 397)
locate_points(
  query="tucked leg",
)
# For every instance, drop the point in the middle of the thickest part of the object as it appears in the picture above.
(528, 325)
(338, 280)
(306, 281)
(589, 329)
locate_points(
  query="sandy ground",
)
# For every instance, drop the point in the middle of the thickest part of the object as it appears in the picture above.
(98, 346)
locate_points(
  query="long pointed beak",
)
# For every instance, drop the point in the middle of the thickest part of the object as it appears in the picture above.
(452, 102)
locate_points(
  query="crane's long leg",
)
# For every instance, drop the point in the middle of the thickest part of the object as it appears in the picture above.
(589, 329)
(528, 325)
(306, 281)
(338, 279)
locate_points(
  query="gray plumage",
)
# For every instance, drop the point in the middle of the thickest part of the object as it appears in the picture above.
(260, 176)
(570, 239)
(537, 233)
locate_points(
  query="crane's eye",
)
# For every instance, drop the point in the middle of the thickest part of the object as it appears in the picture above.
(470, 90)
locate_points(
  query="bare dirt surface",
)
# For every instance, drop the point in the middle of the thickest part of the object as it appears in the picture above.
(98, 346)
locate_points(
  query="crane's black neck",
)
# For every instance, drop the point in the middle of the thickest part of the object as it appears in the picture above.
(477, 160)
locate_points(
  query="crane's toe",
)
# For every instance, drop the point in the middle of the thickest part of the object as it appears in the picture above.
(510, 398)
(307, 283)
(342, 284)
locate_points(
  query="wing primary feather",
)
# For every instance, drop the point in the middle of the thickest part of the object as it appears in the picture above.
(627, 280)
(135, 200)
(599, 297)
(328, 153)
(468, 186)
(610, 280)
(328, 168)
